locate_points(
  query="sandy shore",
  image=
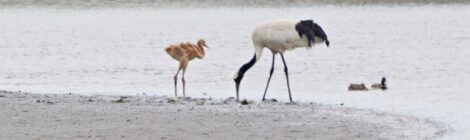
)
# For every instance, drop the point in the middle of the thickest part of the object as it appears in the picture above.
(64, 116)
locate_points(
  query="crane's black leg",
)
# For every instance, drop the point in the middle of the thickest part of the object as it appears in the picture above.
(287, 76)
(269, 79)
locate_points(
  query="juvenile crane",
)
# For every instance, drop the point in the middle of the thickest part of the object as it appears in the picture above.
(279, 36)
(185, 52)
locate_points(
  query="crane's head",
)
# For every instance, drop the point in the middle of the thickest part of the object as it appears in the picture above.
(312, 31)
(318, 31)
(241, 72)
(202, 43)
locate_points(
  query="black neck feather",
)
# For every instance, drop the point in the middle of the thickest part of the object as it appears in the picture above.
(245, 68)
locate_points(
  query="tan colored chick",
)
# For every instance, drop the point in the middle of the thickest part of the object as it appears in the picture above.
(185, 52)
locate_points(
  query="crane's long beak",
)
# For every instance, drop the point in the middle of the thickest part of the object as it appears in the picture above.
(237, 86)
(206, 46)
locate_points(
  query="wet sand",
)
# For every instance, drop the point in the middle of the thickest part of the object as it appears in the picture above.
(70, 116)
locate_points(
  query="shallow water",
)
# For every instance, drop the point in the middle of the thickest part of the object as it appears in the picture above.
(99, 51)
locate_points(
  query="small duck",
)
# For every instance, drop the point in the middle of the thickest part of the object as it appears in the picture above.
(361, 86)
(380, 85)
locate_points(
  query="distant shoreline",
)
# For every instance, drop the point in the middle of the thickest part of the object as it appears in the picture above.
(217, 3)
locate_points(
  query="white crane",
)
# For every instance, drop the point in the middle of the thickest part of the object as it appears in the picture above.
(279, 36)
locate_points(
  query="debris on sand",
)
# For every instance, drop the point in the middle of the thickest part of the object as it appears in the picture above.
(291, 103)
(120, 100)
(171, 101)
(49, 102)
(270, 100)
(187, 98)
(229, 100)
(244, 102)
(200, 102)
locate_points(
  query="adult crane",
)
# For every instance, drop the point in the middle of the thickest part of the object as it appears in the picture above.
(279, 36)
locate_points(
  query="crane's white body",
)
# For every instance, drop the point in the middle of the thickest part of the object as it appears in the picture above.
(279, 36)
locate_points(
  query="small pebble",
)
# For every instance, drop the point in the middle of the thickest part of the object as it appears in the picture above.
(291, 103)
(50, 103)
(244, 102)
(171, 101)
(270, 100)
(199, 102)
